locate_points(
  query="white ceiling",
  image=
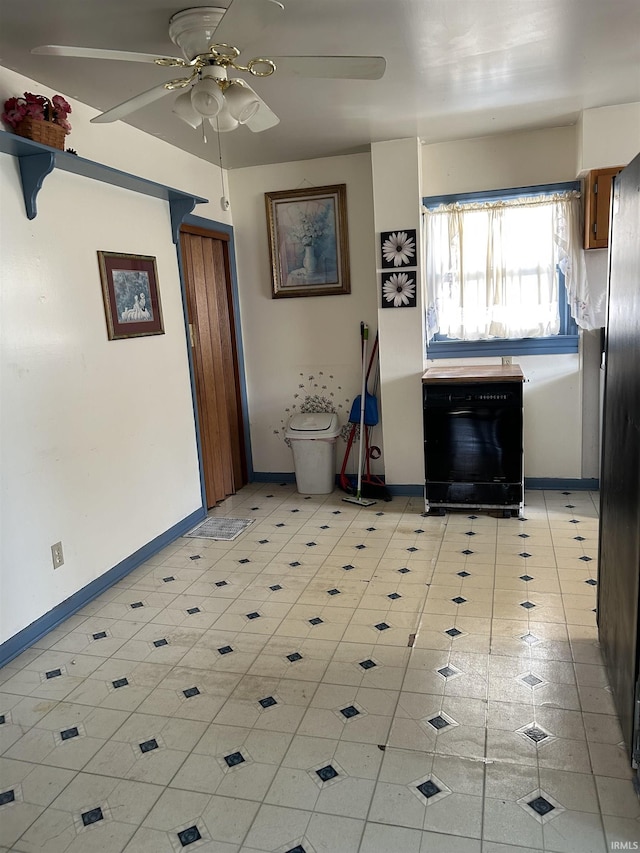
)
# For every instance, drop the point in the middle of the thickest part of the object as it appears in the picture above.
(455, 68)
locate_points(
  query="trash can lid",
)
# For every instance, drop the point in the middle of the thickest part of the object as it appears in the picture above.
(313, 425)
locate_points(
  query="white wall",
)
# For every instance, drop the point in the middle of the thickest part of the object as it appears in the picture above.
(286, 341)
(397, 204)
(97, 437)
(608, 136)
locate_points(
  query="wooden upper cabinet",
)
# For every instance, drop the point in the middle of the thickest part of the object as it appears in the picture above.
(597, 200)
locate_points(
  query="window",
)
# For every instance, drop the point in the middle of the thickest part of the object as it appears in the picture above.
(497, 266)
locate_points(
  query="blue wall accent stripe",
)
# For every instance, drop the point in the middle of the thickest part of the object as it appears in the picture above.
(15, 645)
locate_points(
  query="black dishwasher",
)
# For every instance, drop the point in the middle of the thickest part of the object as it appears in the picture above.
(473, 445)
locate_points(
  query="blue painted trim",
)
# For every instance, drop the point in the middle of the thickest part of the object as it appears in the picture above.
(556, 484)
(43, 155)
(433, 201)
(510, 346)
(14, 646)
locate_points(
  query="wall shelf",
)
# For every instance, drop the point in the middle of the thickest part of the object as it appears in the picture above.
(37, 161)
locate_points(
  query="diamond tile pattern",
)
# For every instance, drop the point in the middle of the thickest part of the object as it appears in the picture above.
(67, 734)
(349, 712)
(535, 734)
(189, 836)
(230, 731)
(531, 680)
(428, 789)
(234, 759)
(541, 806)
(327, 773)
(92, 816)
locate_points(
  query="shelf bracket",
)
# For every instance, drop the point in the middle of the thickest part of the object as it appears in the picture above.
(180, 206)
(34, 168)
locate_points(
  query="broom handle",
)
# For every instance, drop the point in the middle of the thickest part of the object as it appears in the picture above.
(365, 338)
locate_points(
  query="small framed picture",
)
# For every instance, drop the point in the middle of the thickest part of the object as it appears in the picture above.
(399, 289)
(308, 241)
(398, 248)
(130, 294)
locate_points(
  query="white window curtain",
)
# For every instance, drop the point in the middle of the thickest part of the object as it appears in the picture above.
(491, 267)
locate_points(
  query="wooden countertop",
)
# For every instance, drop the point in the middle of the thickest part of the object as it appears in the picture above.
(474, 373)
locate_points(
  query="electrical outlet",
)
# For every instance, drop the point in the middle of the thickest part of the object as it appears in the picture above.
(507, 359)
(57, 556)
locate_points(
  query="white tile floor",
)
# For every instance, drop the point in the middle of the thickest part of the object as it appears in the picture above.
(179, 722)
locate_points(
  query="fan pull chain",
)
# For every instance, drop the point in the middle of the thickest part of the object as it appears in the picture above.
(224, 201)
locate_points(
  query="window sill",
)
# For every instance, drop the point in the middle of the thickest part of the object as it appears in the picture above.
(525, 346)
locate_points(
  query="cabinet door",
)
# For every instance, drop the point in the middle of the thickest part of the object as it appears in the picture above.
(597, 194)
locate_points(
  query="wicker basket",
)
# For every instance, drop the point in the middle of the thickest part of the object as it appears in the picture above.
(45, 132)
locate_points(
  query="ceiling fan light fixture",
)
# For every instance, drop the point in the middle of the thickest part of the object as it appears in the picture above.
(183, 108)
(242, 102)
(206, 97)
(224, 121)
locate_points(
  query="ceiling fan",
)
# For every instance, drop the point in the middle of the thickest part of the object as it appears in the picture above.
(207, 35)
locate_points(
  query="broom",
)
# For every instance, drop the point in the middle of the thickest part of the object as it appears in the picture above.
(357, 498)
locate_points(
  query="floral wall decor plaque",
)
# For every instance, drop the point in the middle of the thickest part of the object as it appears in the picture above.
(398, 248)
(308, 241)
(399, 289)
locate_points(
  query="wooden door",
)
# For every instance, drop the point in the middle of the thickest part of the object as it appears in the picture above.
(619, 566)
(205, 260)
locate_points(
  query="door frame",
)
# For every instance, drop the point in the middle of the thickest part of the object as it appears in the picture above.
(211, 227)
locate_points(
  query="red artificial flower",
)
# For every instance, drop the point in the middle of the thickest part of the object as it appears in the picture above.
(38, 107)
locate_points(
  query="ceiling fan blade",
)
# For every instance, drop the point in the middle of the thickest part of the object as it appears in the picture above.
(96, 53)
(135, 103)
(244, 20)
(342, 67)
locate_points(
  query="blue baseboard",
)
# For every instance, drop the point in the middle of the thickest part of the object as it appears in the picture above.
(406, 491)
(586, 484)
(413, 490)
(15, 645)
(273, 477)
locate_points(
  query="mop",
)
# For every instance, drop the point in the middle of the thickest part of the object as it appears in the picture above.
(357, 498)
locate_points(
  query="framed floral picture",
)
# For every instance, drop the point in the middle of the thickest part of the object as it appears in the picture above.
(399, 289)
(130, 294)
(398, 248)
(308, 241)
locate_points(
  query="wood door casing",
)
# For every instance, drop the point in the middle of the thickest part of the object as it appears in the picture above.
(619, 548)
(210, 309)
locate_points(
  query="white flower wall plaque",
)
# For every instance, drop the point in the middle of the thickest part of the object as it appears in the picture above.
(399, 289)
(398, 248)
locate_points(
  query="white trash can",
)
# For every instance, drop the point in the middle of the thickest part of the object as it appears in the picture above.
(313, 441)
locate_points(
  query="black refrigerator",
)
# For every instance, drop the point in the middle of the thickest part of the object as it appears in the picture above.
(619, 548)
